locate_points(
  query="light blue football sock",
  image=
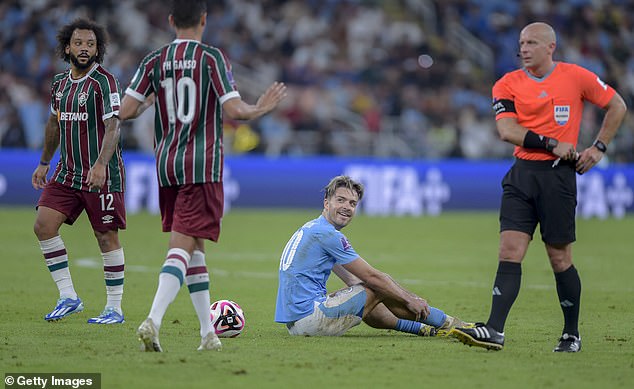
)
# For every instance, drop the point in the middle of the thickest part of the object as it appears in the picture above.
(436, 317)
(409, 326)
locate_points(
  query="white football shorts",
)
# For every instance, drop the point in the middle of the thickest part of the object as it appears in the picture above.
(334, 316)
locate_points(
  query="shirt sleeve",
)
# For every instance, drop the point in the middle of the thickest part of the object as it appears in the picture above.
(111, 97)
(221, 75)
(339, 248)
(502, 97)
(54, 101)
(594, 89)
(141, 86)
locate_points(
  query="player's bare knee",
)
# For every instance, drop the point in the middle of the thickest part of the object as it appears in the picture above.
(511, 254)
(371, 301)
(560, 263)
(37, 229)
(107, 241)
(44, 231)
(560, 256)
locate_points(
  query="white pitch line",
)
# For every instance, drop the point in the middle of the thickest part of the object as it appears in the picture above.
(475, 284)
(94, 263)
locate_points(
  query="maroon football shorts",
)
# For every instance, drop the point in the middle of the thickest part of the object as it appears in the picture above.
(106, 211)
(193, 209)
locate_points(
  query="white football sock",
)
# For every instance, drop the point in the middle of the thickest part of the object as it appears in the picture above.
(113, 268)
(57, 261)
(198, 285)
(170, 281)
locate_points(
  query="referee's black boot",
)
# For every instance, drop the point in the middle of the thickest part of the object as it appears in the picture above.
(568, 344)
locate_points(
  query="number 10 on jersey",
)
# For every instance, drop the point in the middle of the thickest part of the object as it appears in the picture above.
(184, 99)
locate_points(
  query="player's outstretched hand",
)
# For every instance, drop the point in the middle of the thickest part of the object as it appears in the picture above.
(272, 96)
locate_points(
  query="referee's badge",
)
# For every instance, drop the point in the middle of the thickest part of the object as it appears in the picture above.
(562, 114)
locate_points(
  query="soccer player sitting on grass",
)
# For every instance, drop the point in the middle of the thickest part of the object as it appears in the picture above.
(318, 248)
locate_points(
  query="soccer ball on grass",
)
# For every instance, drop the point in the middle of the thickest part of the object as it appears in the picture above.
(227, 318)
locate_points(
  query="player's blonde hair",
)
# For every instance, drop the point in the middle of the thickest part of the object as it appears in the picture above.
(343, 182)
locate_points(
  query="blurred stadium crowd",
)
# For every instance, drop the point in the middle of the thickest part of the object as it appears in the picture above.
(392, 78)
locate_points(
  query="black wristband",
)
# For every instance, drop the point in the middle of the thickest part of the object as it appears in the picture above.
(534, 141)
(600, 146)
(42, 163)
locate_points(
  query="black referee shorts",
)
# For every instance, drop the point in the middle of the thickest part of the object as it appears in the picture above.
(536, 192)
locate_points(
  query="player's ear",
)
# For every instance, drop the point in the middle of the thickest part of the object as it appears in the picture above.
(170, 20)
(203, 19)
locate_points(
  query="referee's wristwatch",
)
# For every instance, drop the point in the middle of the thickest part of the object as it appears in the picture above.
(600, 146)
(551, 143)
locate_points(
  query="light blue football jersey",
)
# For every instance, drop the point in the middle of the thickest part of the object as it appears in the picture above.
(306, 264)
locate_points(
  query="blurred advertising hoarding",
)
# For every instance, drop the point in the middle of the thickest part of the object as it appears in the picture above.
(392, 187)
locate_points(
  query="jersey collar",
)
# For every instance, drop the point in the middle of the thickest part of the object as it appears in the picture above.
(542, 78)
(70, 77)
(184, 40)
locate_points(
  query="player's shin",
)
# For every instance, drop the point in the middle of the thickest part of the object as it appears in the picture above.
(435, 318)
(56, 258)
(113, 270)
(198, 284)
(170, 281)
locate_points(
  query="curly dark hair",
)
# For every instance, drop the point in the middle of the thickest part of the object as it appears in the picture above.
(186, 13)
(66, 32)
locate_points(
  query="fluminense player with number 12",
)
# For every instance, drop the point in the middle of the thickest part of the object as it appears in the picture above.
(190, 84)
(89, 175)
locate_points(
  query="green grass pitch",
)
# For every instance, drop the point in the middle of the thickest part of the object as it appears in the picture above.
(450, 260)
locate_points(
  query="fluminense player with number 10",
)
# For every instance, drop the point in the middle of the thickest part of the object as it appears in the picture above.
(190, 84)
(89, 175)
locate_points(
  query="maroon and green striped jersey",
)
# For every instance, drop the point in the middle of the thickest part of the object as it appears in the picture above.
(81, 106)
(191, 81)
